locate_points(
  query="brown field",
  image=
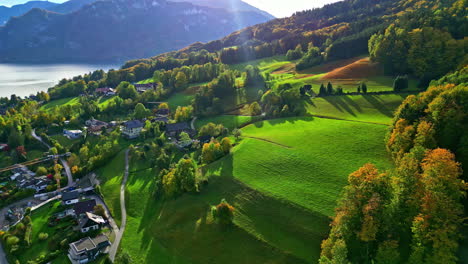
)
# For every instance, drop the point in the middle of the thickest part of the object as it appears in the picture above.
(360, 69)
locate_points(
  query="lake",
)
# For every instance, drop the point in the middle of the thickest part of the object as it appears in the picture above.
(24, 80)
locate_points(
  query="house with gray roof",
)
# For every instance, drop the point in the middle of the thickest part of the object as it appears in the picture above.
(132, 129)
(88, 249)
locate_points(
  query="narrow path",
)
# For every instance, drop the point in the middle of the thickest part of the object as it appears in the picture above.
(118, 236)
(269, 141)
(192, 124)
(62, 160)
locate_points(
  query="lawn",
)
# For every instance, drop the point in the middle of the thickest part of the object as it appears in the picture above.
(60, 102)
(64, 141)
(110, 177)
(179, 99)
(367, 108)
(308, 159)
(182, 230)
(40, 219)
(266, 64)
(228, 121)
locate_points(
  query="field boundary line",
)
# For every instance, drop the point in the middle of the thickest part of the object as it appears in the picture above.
(269, 141)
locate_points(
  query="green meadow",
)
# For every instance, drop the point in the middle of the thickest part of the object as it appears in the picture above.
(60, 102)
(366, 108)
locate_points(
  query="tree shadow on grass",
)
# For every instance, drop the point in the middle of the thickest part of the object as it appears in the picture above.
(382, 108)
(340, 104)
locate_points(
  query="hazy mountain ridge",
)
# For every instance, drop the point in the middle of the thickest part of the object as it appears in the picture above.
(116, 30)
(17, 10)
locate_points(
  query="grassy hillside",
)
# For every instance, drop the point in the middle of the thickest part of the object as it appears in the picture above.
(60, 102)
(366, 108)
(308, 158)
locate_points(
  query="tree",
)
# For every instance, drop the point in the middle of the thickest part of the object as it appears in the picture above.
(364, 87)
(400, 83)
(185, 174)
(99, 210)
(330, 90)
(224, 213)
(181, 81)
(141, 111)
(58, 173)
(125, 90)
(41, 171)
(183, 114)
(237, 133)
(295, 54)
(323, 90)
(255, 109)
(226, 145)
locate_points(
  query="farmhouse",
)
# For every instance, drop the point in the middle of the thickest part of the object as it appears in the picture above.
(132, 129)
(174, 130)
(105, 91)
(88, 249)
(143, 87)
(69, 198)
(90, 222)
(72, 134)
(84, 207)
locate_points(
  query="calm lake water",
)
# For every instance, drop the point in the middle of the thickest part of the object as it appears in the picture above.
(24, 80)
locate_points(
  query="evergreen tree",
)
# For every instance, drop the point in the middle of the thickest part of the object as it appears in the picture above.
(330, 90)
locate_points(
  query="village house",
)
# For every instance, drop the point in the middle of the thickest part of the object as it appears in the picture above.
(163, 119)
(83, 207)
(88, 249)
(132, 129)
(162, 112)
(90, 222)
(26, 179)
(72, 134)
(143, 87)
(174, 130)
(69, 198)
(96, 126)
(105, 91)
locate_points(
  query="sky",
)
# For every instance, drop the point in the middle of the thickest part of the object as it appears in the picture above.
(278, 8)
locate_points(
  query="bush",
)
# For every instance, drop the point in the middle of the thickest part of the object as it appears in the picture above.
(43, 236)
(223, 213)
(41, 171)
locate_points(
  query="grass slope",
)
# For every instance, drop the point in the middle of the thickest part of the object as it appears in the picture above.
(308, 159)
(182, 230)
(60, 102)
(367, 108)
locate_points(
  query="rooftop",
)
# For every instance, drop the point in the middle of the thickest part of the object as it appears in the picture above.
(84, 207)
(133, 124)
(70, 195)
(177, 127)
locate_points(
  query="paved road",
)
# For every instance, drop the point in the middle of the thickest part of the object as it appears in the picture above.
(62, 160)
(118, 235)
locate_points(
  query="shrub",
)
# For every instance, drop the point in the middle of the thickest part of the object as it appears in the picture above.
(43, 236)
(224, 213)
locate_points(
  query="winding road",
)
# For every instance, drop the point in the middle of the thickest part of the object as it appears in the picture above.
(118, 235)
(62, 160)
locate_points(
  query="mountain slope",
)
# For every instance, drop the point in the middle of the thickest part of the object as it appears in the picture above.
(234, 5)
(17, 10)
(116, 30)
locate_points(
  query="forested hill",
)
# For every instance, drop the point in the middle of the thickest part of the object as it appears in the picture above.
(343, 30)
(116, 30)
